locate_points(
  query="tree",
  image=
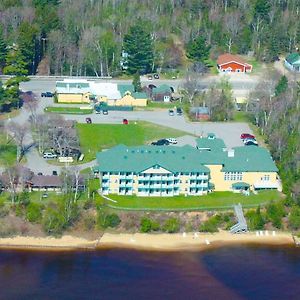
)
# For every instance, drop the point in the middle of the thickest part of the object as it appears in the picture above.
(3, 50)
(137, 82)
(19, 132)
(255, 219)
(139, 47)
(281, 86)
(30, 103)
(197, 50)
(15, 63)
(294, 218)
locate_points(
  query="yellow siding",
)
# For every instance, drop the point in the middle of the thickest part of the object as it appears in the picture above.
(73, 98)
(252, 178)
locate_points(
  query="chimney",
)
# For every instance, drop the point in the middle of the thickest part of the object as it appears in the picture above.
(230, 152)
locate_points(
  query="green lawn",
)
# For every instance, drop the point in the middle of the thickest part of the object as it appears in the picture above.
(216, 200)
(8, 150)
(95, 137)
(241, 116)
(155, 105)
(68, 110)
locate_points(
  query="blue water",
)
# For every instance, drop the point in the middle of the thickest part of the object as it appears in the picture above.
(246, 272)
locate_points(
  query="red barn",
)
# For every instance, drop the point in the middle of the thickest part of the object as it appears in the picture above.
(232, 63)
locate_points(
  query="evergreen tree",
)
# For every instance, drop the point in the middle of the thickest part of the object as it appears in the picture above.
(3, 50)
(281, 86)
(262, 9)
(197, 49)
(137, 82)
(139, 47)
(15, 63)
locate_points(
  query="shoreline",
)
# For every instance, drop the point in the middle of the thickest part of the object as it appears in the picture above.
(148, 242)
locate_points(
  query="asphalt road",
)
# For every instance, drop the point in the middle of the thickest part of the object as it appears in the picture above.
(242, 82)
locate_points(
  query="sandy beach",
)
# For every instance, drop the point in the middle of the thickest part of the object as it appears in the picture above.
(193, 241)
(66, 242)
(160, 242)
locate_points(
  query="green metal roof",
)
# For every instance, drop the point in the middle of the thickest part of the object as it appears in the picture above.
(139, 95)
(123, 88)
(293, 58)
(79, 85)
(210, 144)
(164, 88)
(250, 159)
(186, 158)
(240, 185)
(138, 159)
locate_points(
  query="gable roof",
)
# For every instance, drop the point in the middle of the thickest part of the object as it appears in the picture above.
(123, 88)
(293, 58)
(228, 57)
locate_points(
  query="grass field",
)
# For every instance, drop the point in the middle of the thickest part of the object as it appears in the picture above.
(8, 151)
(216, 200)
(95, 137)
(68, 110)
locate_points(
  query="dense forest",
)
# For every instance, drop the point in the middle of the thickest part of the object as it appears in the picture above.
(75, 37)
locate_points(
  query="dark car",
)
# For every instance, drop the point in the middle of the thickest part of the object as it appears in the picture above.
(179, 111)
(47, 94)
(105, 112)
(162, 142)
(251, 143)
(156, 76)
(54, 173)
(88, 120)
(247, 136)
(125, 121)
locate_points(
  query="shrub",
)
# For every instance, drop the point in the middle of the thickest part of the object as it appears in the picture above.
(255, 219)
(275, 212)
(148, 225)
(24, 198)
(108, 220)
(171, 225)
(294, 218)
(53, 221)
(34, 213)
(212, 224)
(89, 222)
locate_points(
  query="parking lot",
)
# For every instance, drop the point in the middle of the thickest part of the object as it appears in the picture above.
(230, 132)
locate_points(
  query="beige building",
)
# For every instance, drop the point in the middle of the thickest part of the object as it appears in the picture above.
(81, 91)
(171, 171)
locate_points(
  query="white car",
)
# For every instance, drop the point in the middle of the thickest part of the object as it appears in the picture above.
(172, 141)
(250, 141)
(49, 155)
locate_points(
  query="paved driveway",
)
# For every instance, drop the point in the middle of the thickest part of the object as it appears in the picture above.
(230, 132)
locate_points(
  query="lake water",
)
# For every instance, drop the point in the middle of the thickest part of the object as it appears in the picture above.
(247, 272)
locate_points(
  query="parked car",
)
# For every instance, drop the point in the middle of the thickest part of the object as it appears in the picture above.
(247, 136)
(179, 111)
(49, 155)
(47, 94)
(171, 112)
(150, 77)
(105, 111)
(125, 121)
(251, 143)
(250, 140)
(88, 120)
(54, 173)
(172, 141)
(156, 76)
(162, 142)
(97, 111)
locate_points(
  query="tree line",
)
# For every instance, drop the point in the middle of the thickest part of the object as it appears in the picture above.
(104, 37)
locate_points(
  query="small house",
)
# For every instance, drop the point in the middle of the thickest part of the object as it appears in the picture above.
(292, 62)
(200, 113)
(232, 63)
(162, 93)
